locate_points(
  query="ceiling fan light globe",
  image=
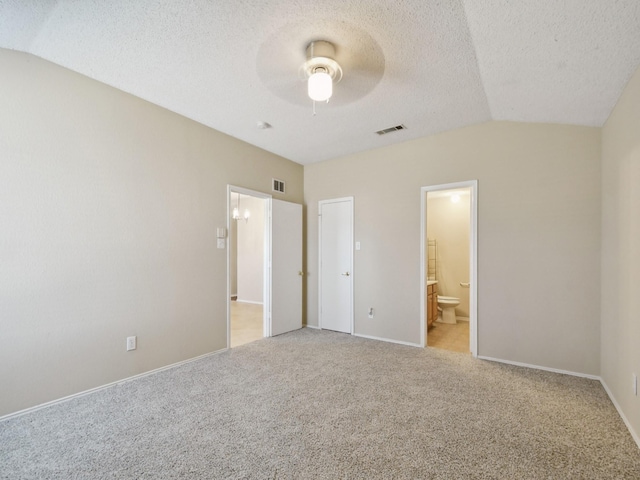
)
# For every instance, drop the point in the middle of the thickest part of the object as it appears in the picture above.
(320, 86)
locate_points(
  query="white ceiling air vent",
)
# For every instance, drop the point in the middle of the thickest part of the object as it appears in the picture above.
(391, 129)
(278, 185)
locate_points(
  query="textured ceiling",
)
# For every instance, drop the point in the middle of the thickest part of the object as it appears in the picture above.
(432, 65)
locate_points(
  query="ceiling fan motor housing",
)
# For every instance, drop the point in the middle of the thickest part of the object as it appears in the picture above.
(320, 57)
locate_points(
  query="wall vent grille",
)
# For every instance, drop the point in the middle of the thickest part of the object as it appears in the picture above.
(278, 185)
(391, 129)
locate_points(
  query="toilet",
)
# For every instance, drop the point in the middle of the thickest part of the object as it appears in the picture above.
(448, 307)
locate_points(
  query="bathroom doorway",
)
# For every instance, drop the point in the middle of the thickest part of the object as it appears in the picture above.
(449, 266)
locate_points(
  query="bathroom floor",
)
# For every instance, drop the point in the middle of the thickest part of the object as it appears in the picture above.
(449, 337)
(246, 323)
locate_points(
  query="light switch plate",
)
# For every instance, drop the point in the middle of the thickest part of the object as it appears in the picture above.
(221, 243)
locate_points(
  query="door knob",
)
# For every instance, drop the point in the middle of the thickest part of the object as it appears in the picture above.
(345, 274)
(301, 273)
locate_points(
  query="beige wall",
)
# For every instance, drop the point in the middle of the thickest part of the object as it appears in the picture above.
(108, 212)
(538, 234)
(449, 224)
(620, 252)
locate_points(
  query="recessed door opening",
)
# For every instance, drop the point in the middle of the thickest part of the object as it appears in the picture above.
(264, 266)
(248, 282)
(449, 290)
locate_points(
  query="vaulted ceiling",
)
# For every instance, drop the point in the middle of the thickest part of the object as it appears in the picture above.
(432, 65)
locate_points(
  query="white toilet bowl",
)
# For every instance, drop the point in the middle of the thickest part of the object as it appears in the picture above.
(448, 307)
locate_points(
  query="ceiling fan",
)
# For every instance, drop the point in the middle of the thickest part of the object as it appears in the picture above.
(301, 63)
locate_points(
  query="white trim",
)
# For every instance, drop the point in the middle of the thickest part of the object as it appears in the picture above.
(351, 202)
(267, 292)
(473, 260)
(311, 326)
(388, 340)
(423, 274)
(108, 385)
(633, 433)
(266, 295)
(248, 301)
(538, 367)
(266, 312)
(336, 200)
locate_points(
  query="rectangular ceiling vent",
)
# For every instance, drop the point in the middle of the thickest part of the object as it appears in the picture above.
(278, 185)
(391, 129)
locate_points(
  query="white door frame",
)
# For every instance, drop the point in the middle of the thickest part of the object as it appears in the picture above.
(473, 260)
(266, 306)
(351, 316)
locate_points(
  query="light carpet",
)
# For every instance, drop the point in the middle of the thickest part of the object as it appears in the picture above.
(323, 405)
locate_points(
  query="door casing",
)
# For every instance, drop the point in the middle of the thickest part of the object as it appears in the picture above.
(473, 260)
(266, 295)
(267, 310)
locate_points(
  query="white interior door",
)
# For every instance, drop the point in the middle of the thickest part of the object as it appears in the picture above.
(286, 266)
(336, 264)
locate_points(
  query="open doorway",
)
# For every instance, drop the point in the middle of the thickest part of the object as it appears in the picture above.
(264, 266)
(449, 266)
(248, 266)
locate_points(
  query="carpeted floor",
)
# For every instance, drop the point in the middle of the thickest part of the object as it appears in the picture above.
(316, 404)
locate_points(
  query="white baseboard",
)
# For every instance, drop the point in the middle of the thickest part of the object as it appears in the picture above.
(239, 300)
(538, 367)
(388, 340)
(311, 326)
(108, 385)
(620, 412)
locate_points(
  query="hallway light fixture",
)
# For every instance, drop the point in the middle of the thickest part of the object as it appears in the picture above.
(235, 214)
(321, 71)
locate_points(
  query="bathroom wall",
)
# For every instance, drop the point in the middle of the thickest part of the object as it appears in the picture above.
(620, 324)
(449, 224)
(251, 250)
(538, 236)
(108, 212)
